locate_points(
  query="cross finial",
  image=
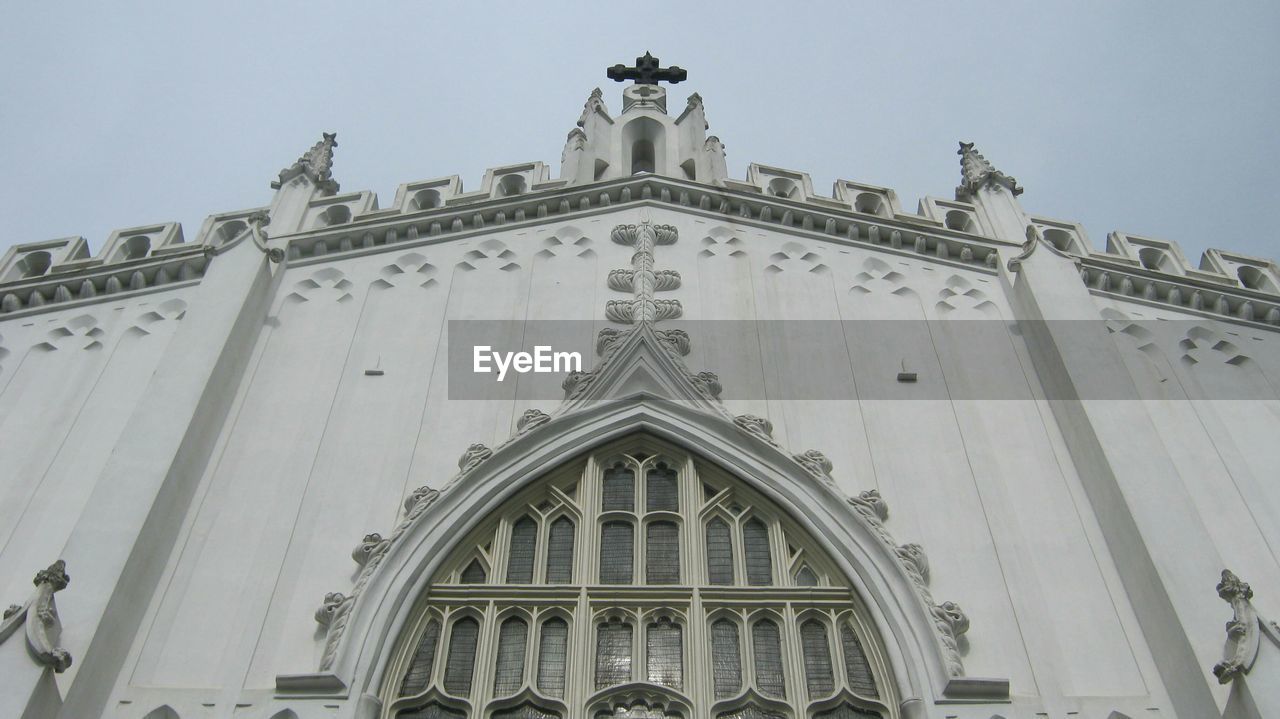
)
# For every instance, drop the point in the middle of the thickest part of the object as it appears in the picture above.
(647, 72)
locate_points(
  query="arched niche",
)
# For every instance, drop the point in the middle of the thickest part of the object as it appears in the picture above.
(388, 608)
(644, 146)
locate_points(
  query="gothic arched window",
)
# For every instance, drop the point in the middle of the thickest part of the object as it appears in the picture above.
(638, 582)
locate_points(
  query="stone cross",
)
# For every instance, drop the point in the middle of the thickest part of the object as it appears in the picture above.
(647, 72)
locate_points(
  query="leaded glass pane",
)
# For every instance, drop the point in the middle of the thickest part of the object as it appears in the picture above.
(526, 711)
(662, 490)
(613, 654)
(474, 573)
(750, 711)
(509, 674)
(462, 657)
(847, 711)
(665, 655)
(619, 489)
(424, 657)
(616, 553)
(818, 675)
(806, 578)
(768, 658)
(856, 667)
(431, 711)
(560, 552)
(663, 558)
(755, 541)
(726, 658)
(719, 552)
(553, 651)
(524, 543)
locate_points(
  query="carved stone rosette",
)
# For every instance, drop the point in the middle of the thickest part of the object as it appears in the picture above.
(40, 613)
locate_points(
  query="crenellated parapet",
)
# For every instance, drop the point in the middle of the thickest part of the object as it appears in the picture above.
(1228, 285)
(62, 272)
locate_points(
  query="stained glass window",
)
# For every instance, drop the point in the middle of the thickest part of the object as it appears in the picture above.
(613, 654)
(857, 669)
(817, 659)
(509, 673)
(726, 658)
(619, 489)
(620, 601)
(719, 552)
(462, 657)
(616, 553)
(755, 546)
(553, 650)
(662, 490)
(560, 552)
(663, 546)
(474, 573)
(767, 643)
(424, 656)
(665, 655)
(524, 544)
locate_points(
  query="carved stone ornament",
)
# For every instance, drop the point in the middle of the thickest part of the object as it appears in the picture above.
(674, 340)
(421, 495)
(333, 601)
(1244, 631)
(758, 427)
(472, 458)
(531, 420)
(370, 545)
(871, 505)
(816, 463)
(914, 559)
(40, 613)
(951, 623)
(709, 382)
(976, 171)
(575, 383)
(316, 163)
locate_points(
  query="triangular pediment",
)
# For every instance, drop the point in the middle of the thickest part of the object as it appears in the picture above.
(643, 362)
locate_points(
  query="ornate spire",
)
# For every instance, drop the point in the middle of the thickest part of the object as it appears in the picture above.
(316, 163)
(976, 171)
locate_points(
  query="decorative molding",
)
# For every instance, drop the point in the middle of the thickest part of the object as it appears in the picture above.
(316, 164)
(40, 614)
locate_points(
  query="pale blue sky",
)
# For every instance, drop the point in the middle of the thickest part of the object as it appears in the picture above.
(1156, 118)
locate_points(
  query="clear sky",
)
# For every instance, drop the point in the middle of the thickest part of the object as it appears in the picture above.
(1155, 118)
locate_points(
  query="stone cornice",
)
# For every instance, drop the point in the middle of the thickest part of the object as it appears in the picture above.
(832, 224)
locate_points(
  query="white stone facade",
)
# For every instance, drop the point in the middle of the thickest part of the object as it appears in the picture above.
(204, 430)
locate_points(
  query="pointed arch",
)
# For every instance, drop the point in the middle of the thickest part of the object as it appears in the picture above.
(915, 660)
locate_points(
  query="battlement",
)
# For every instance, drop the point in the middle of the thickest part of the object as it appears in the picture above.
(311, 219)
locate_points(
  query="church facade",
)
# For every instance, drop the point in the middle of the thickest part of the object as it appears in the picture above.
(823, 457)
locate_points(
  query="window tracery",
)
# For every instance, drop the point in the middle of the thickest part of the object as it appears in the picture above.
(638, 583)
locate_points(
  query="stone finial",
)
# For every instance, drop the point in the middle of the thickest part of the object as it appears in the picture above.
(316, 163)
(976, 171)
(594, 102)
